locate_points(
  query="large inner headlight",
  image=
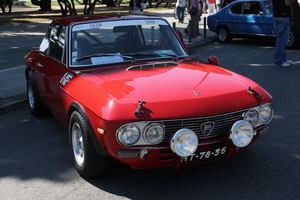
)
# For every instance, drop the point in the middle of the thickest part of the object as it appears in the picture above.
(128, 134)
(154, 133)
(241, 133)
(252, 117)
(265, 113)
(184, 142)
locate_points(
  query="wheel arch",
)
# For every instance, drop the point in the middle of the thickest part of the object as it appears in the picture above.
(77, 107)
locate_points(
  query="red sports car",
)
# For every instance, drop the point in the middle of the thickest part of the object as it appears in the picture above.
(126, 89)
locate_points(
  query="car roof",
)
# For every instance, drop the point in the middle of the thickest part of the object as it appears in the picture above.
(95, 17)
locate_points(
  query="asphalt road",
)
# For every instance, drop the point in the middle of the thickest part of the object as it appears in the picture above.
(36, 162)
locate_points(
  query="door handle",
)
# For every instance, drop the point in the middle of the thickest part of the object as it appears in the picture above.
(38, 65)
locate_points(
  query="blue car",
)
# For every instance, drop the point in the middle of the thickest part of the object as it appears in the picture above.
(243, 18)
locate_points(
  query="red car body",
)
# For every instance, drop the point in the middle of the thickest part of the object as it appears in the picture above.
(175, 93)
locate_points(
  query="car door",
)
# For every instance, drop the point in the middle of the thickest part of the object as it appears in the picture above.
(53, 68)
(254, 20)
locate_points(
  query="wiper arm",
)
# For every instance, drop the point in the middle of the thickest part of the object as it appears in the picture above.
(141, 54)
(172, 55)
(102, 55)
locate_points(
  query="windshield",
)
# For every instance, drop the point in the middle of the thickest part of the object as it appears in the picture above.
(110, 42)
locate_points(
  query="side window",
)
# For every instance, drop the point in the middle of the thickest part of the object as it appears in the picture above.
(251, 8)
(57, 42)
(237, 8)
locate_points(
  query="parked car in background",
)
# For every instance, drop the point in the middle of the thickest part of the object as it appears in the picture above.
(244, 18)
(125, 88)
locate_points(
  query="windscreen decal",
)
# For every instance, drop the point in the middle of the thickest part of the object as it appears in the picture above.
(96, 25)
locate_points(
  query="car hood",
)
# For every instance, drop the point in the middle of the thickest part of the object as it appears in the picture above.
(177, 91)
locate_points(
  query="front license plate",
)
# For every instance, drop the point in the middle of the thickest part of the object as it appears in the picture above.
(205, 154)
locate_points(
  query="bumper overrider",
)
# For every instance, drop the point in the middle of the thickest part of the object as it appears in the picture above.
(193, 141)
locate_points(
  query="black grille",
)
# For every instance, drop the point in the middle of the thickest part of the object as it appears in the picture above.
(221, 123)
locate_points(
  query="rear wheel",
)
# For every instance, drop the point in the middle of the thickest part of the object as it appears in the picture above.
(224, 34)
(35, 105)
(293, 41)
(88, 162)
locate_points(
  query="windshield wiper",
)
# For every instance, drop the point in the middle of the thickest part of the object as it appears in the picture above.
(103, 55)
(171, 55)
(140, 54)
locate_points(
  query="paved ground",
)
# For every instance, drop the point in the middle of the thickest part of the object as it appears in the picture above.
(17, 40)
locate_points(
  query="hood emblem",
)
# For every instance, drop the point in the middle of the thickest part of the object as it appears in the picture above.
(207, 127)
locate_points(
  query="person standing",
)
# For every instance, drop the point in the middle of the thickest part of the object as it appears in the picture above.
(135, 6)
(180, 8)
(211, 7)
(282, 25)
(195, 19)
(219, 5)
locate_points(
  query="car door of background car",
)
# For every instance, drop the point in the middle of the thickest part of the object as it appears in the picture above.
(252, 20)
(53, 68)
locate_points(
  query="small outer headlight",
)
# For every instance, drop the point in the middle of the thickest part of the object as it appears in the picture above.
(252, 117)
(184, 142)
(154, 133)
(265, 113)
(128, 134)
(241, 133)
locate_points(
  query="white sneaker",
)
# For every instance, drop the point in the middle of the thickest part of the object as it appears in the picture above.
(289, 61)
(285, 64)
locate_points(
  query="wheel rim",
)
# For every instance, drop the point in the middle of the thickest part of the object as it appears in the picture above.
(30, 95)
(78, 144)
(291, 40)
(222, 35)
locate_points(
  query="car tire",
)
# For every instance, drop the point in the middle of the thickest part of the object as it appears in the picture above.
(88, 162)
(224, 34)
(36, 107)
(293, 41)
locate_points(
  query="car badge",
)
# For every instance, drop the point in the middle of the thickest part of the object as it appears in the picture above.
(207, 127)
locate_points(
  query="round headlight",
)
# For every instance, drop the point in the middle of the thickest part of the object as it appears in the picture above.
(184, 142)
(265, 113)
(241, 133)
(252, 117)
(154, 133)
(129, 134)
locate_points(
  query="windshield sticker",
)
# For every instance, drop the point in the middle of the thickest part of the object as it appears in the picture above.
(106, 60)
(164, 53)
(117, 23)
(95, 25)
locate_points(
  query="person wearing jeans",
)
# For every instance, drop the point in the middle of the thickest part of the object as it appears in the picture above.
(180, 8)
(281, 16)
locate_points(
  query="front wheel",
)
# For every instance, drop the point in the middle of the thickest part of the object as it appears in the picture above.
(224, 34)
(88, 162)
(175, 14)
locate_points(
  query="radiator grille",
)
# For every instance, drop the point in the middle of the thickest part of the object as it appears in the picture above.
(221, 123)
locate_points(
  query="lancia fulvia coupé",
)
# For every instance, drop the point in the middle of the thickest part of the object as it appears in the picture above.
(125, 88)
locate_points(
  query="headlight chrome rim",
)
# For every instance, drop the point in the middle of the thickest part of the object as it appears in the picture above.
(266, 113)
(241, 134)
(252, 117)
(129, 134)
(150, 129)
(184, 142)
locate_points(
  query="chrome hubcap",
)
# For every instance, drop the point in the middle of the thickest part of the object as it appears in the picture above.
(77, 144)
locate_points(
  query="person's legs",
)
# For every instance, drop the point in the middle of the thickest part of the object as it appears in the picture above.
(282, 28)
(181, 13)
